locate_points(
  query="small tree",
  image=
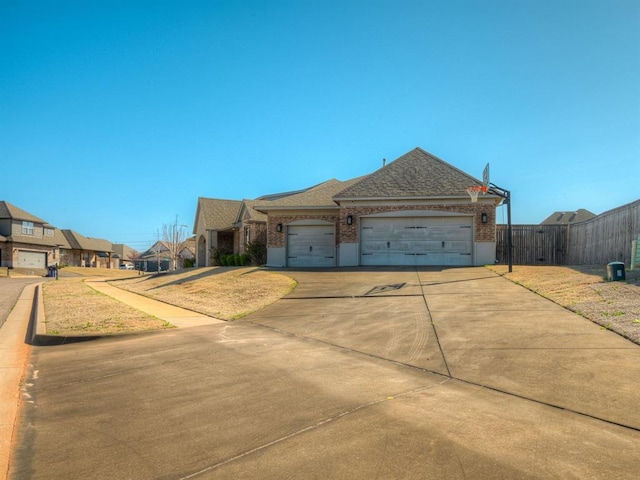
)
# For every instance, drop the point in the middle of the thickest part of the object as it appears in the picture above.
(257, 251)
(174, 235)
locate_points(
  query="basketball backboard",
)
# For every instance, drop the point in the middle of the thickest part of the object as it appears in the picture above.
(485, 176)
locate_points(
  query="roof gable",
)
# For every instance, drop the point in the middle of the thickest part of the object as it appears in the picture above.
(8, 210)
(415, 174)
(248, 213)
(217, 214)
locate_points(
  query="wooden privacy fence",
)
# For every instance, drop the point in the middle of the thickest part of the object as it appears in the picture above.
(605, 238)
(597, 241)
(533, 244)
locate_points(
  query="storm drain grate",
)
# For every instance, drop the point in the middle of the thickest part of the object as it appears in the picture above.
(385, 288)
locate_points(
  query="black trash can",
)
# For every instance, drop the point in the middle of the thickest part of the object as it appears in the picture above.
(615, 272)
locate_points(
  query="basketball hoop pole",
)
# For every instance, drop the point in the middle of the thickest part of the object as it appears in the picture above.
(506, 194)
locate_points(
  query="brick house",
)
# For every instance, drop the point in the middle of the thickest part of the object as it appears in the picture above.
(29, 242)
(412, 211)
(76, 250)
(229, 225)
(26, 241)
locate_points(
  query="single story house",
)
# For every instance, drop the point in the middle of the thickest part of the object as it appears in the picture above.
(81, 251)
(412, 211)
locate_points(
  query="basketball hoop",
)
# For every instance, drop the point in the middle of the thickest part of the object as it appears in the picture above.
(474, 191)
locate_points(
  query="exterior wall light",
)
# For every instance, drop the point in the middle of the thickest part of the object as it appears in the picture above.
(349, 219)
(484, 217)
(279, 227)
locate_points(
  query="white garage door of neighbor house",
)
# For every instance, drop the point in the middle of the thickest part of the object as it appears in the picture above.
(32, 259)
(311, 246)
(416, 241)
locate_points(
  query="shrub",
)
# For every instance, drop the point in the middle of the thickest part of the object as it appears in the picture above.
(236, 260)
(217, 254)
(257, 251)
(244, 259)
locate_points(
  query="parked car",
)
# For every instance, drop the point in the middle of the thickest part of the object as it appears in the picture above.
(126, 267)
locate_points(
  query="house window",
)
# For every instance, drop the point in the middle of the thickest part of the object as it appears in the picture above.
(247, 235)
(27, 228)
(48, 232)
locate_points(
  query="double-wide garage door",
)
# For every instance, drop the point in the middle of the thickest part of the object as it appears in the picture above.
(311, 246)
(416, 241)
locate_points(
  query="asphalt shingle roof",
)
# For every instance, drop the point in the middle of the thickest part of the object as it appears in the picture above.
(250, 213)
(218, 214)
(80, 242)
(414, 174)
(8, 210)
(565, 218)
(319, 196)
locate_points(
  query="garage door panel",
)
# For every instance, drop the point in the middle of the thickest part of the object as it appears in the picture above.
(311, 246)
(32, 259)
(416, 241)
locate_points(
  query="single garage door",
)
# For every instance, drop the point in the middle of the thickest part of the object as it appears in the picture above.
(311, 246)
(32, 259)
(416, 241)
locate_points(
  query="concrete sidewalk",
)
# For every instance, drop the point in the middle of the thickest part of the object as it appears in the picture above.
(177, 316)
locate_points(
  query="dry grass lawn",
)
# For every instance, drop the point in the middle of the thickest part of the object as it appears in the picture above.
(72, 308)
(226, 293)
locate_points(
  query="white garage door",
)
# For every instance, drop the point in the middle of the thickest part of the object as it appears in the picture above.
(311, 246)
(416, 241)
(32, 259)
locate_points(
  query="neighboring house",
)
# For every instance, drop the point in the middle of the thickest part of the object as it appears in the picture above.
(187, 253)
(159, 257)
(80, 251)
(567, 218)
(413, 211)
(26, 241)
(124, 253)
(156, 259)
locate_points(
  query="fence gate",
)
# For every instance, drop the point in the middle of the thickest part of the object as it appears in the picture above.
(533, 244)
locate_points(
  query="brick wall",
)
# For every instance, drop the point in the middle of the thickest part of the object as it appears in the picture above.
(484, 232)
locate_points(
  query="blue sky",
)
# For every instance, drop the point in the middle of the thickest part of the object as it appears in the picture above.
(115, 116)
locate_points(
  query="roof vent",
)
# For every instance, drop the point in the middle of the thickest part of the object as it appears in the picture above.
(384, 162)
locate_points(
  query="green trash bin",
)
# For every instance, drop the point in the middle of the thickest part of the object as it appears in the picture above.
(615, 272)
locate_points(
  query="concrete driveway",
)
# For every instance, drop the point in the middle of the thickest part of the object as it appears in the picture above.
(368, 373)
